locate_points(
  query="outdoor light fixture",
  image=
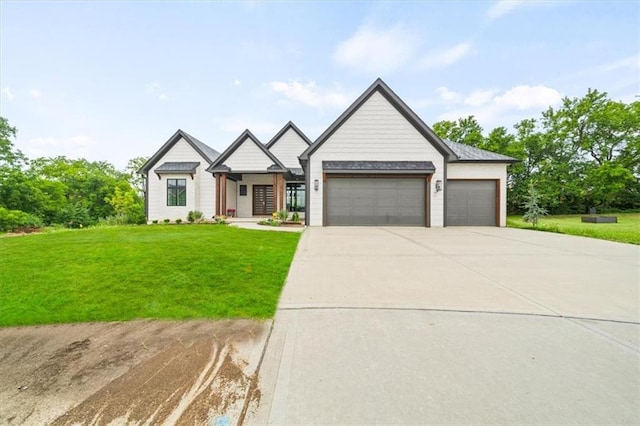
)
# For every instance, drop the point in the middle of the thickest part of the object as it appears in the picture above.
(438, 185)
(316, 184)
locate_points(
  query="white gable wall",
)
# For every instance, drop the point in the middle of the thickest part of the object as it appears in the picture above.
(483, 171)
(248, 157)
(376, 131)
(200, 189)
(288, 148)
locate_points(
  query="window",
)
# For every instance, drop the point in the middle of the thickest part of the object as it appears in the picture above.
(243, 190)
(295, 197)
(176, 192)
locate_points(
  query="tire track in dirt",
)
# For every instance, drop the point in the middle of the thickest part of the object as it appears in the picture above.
(140, 372)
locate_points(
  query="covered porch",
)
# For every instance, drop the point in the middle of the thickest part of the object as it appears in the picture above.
(251, 194)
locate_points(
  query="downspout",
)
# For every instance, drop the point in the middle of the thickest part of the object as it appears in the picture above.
(146, 196)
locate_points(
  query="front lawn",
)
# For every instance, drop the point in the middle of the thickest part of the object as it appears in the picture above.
(156, 271)
(627, 230)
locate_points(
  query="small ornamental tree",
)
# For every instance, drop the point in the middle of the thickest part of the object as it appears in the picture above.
(532, 209)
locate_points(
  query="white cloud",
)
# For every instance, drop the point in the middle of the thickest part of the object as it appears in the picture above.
(237, 82)
(8, 93)
(527, 97)
(377, 50)
(35, 93)
(447, 95)
(503, 7)
(493, 108)
(154, 89)
(628, 62)
(479, 97)
(310, 93)
(445, 57)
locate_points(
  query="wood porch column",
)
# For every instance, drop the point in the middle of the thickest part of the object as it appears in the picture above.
(223, 201)
(217, 176)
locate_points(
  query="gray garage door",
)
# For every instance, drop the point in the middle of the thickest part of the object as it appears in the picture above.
(471, 203)
(375, 201)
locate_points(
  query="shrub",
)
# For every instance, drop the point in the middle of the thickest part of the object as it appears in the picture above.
(220, 220)
(269, 222)
(115, 220)
(295, 217)
(154, 221)
(11, 220)
(76, 216)
(178, 221)
(194, 216)
(167, 220)
(282, 214)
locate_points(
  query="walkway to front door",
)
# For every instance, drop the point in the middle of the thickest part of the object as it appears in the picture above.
(263, 200)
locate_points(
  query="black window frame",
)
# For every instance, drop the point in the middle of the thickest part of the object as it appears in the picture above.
(173, 190)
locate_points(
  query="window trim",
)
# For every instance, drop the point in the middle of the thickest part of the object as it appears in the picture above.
(176, 187)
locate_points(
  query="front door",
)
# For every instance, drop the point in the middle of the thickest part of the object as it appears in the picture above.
(263, 200)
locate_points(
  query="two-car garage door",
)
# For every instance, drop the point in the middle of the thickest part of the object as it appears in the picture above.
(381, 201)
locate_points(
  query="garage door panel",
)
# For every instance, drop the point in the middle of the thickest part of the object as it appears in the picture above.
(375, 201)
(471, 203)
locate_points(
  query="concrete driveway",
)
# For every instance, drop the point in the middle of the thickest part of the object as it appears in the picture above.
(455, 325)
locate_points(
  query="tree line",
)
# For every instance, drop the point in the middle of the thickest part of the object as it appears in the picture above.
(584, 154)
(70, 192)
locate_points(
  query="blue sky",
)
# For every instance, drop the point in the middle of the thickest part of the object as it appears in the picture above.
(114, 80)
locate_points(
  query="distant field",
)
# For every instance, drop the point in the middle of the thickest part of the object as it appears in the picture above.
(156, 271)
(627, 230)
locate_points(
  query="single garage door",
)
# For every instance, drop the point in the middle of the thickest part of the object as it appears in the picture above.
(471, 202)
(376, 201)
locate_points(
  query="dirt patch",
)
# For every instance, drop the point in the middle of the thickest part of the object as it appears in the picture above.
(139, 372)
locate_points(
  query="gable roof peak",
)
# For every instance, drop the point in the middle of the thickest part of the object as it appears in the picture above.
(380, 86)
(206, 152)
(281, 132)
(246, 134)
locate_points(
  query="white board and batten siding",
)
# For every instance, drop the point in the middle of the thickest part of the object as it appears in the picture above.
(480, 171)
(375, 132)
(200, 189)
(288, 148)
(248, 157)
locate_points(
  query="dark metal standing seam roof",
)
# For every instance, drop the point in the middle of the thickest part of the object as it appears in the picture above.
(177, 167)
(379, 166)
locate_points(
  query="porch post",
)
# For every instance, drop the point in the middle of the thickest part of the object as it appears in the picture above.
(217, 176)
(283, 190)
(276, 203)
(223, 200)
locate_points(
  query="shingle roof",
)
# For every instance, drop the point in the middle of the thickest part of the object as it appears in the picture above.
(178, 167)
(209, 152)
(376, 166)
(466, 152)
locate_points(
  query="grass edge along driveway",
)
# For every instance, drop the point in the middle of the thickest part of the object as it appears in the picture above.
(156, 271)
(627, 230)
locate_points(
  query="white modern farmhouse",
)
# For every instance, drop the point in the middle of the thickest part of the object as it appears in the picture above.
(378, 164)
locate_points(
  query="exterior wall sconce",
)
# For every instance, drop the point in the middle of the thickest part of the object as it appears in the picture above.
(316, 184)
(438, 185)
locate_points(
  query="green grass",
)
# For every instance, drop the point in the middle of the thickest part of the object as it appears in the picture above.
(157, 271)
(627, 230)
